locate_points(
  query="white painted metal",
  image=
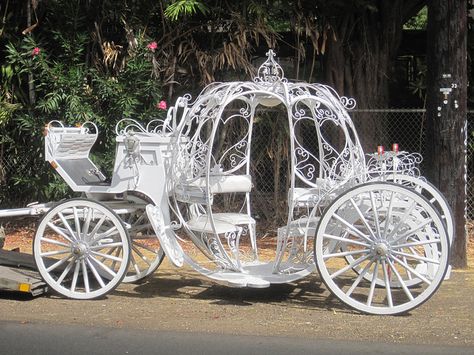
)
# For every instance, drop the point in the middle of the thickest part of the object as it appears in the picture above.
(394, 235)
(81, 249)
(318, 175)
(189, 166)
(146, 251)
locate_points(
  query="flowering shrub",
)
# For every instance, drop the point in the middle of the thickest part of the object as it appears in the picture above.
(63, 87)
(161, 105)
(152, 46)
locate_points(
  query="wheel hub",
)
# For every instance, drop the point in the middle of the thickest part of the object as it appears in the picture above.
(381, 249)
(80, 249)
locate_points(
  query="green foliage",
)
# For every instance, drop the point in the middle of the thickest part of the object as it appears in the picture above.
(185, 8)
(61, 74)
(419, 21)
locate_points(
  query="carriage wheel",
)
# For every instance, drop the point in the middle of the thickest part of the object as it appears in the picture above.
(392, 234)
(435, 197)
(81, 249)
(147, 253)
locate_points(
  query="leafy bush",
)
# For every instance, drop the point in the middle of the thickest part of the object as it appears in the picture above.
(53, 81)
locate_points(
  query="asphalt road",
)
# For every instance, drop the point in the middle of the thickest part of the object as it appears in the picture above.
(37, 338)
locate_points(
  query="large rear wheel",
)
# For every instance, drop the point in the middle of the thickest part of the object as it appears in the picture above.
(392, 235)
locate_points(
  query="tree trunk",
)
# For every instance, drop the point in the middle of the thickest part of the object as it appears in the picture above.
(446, 111)
(359, 62)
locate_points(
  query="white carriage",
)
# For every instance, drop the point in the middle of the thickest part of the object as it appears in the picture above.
(378, 234)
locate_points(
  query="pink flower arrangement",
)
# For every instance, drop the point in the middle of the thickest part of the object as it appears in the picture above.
(36, 51)
(162, 105)
(152, 46)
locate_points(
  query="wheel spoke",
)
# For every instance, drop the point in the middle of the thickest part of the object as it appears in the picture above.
(87, 220)
(134, 264)
(375, 212)
(417, 243)
(111, 231)
(106, 256)
(85, 276)
(364, 221)
(345, 240)
(345, 253)
(76, 221)
(143, 246)
(409, 275)
(117, 253)
(96, 227)
(416, 257)
(400, 280)
(359, 278)
(389, 215)
(143, 257)
(402, 220)
(66, 271)
(372, 283)
(58, 263)
(95, 273)
(74, 277)
(55, 252)
(103, 266)
(387, 284)
(55, 242)
(413, 230)
(60, 231)
(67, 225)
(413, 271)
(350, 266)
(351, 227)
(106, 245)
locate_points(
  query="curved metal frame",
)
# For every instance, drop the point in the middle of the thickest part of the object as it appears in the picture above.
(195, 165)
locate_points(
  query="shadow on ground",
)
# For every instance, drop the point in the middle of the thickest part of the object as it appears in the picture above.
(309, 292)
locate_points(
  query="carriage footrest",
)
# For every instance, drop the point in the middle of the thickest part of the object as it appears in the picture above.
(235, 279)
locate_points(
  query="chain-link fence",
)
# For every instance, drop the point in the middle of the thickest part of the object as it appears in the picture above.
(270, 152)
(407, 128)
(403, 126)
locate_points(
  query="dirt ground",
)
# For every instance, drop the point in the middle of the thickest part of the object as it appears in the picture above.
(181, 299)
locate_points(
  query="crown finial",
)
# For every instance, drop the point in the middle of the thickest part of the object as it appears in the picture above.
(270, 71)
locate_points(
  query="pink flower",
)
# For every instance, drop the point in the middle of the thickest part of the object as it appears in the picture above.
(152, 46)
(161, 105)
(35, 51)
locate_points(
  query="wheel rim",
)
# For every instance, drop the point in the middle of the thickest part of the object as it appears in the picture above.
(433, 195)
(81, 249)
(392, 235)
(147, 254)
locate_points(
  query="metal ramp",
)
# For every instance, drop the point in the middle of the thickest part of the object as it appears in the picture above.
(18, 274)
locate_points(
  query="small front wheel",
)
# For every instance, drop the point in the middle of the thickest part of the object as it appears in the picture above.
(81, 249)
(392, 234)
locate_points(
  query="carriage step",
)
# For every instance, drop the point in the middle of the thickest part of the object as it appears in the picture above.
(223, 222)
(235, 279)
